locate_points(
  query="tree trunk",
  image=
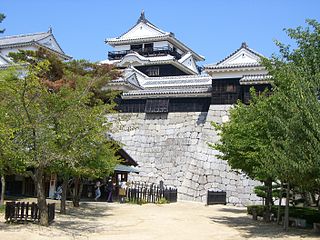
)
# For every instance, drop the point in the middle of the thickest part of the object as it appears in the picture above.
(3, 189)
(64, 195)
(76, 192)
(41, 197)
(268, 184)
(286, 212)
(280, 202)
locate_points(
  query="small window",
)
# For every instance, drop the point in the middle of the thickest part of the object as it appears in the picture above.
(148, 47)
(136, 48)
(157, 106)
(153, 71)
(231, 88)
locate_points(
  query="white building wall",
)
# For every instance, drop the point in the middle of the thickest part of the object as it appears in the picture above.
(6, 51)
(235, 74)
(162, 44)
(122, 48)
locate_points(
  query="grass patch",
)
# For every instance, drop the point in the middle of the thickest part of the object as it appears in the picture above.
(2, 208)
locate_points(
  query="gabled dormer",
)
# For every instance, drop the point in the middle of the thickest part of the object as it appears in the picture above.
(243, 61)
(32, 41)
(143, 28)
(234, 75)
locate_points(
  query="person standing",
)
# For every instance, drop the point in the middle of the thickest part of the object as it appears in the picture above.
(109, 189)
(97, 190)
(58, 192)
(122, 191)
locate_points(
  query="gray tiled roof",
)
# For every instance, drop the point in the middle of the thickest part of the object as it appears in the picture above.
(182, 82)
(168, 91)
(125, 168)
(255, 78)
(23, 38)
(242, 65)
(243, 45)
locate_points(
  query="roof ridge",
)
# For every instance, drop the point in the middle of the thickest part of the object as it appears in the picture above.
(244, 45)
(143, 19)
(178, 77)
(24, 35)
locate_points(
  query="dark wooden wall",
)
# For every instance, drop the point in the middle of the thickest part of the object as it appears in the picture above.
(229, 91)
(175, 105)
(164, 70)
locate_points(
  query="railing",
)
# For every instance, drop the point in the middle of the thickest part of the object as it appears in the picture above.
(143, 193)
(149, 52)
(214, 197)
(23, 212)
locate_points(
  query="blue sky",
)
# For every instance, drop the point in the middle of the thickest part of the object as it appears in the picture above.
(210, 27)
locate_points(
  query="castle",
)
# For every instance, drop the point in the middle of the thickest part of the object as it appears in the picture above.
(167, 106)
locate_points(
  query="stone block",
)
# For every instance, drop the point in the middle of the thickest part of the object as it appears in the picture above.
(195, 177)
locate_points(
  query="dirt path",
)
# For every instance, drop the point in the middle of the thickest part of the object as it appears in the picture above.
(183, 220)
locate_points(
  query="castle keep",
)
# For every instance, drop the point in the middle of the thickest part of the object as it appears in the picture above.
(167, 106)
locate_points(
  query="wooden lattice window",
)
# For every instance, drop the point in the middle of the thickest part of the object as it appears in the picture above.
(152, 71)
(231, 88)
(157, 106)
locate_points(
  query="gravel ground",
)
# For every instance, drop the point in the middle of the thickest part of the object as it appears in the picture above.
(182, 220)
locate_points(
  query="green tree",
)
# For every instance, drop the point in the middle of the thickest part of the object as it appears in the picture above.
(57, 117)
(243, 142)
(11, 161)
(2, 17)
(280, 134)
(85, 151)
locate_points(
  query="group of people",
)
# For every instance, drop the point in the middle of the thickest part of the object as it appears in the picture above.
(109, 187)
(109, 190)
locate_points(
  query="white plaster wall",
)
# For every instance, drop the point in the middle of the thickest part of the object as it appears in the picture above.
(50, 43)
(235, 73)
(121, 47)
(174, 148)
(6, 51)
(161, 44)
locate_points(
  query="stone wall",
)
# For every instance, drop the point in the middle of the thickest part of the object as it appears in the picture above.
(174, 148)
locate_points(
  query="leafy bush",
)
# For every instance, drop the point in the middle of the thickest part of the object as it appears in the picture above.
(162, 201)
(2, 208)
(309, 214)
(140, 202)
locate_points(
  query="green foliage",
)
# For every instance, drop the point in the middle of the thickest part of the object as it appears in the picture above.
(58, 124)
(261, 191)
(55, 99)
(243, 140)
(162, 201)
(137, 201)
(2, 17)
(11, 159)
(278, 135)
(2, 208)
(309, 214)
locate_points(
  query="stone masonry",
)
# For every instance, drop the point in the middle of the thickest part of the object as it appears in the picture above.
(174, 148)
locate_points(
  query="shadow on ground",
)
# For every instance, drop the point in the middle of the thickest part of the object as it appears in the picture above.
(77, 221)
(249, 228)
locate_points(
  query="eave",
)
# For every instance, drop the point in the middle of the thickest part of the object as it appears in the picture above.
(17, 45)
(168, 93)
(234, 68)
(166, 37)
